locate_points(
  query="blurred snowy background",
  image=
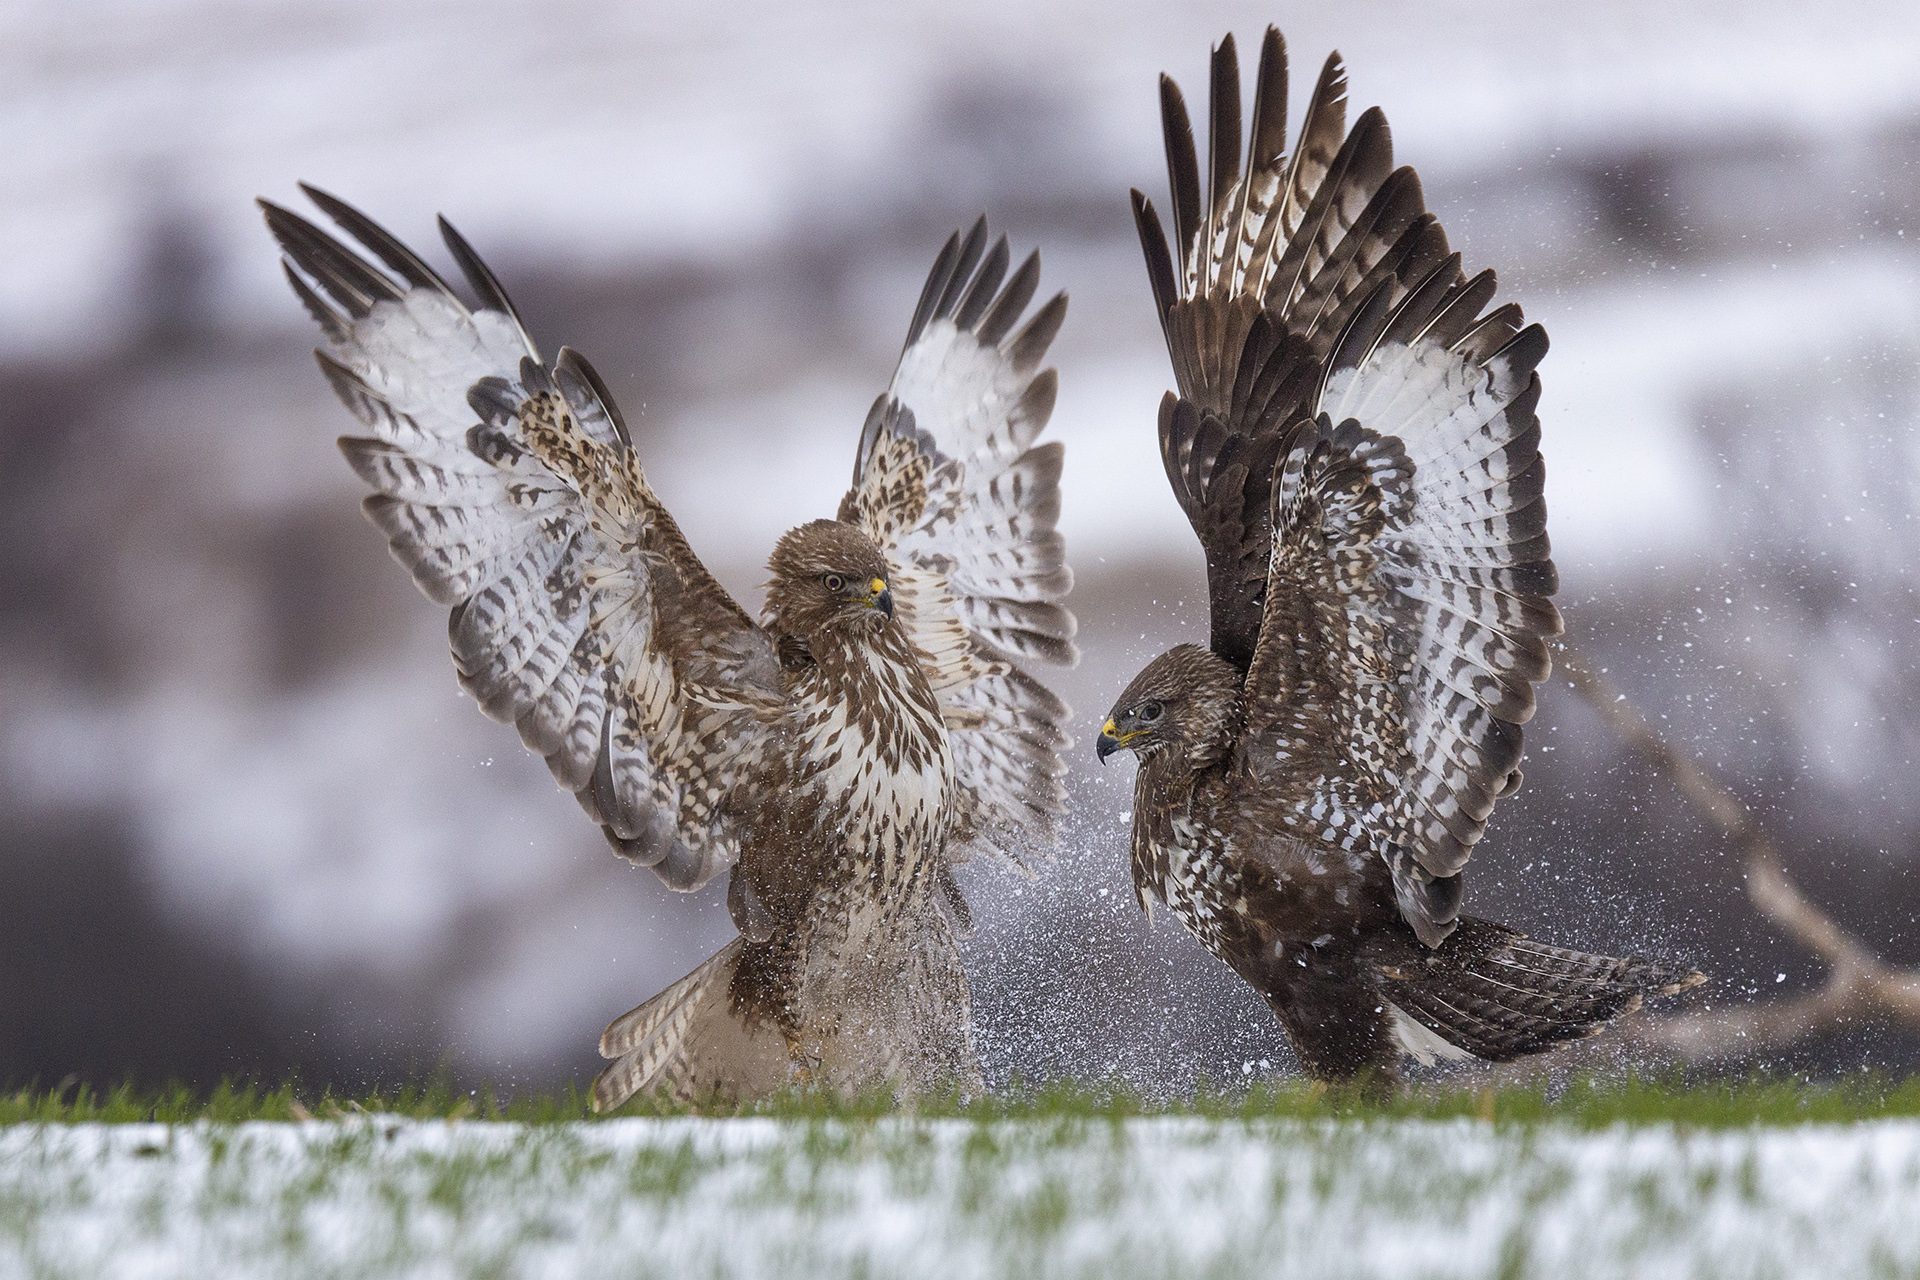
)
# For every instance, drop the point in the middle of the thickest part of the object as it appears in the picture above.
(246, 822)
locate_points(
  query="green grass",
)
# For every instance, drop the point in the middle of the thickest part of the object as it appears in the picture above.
(1587, 1104)
(233, 1103)
(1067, 1179)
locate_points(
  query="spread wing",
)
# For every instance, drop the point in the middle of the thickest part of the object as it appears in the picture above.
(949, 482)
(1356, 445)
(509, 489)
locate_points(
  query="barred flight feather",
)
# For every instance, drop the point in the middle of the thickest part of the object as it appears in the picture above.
(949, 482)
(515, 541)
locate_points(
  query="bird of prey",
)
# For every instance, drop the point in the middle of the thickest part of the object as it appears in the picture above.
(1354, 442)
(874, 726)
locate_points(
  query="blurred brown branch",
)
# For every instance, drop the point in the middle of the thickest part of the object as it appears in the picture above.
(1860, 986)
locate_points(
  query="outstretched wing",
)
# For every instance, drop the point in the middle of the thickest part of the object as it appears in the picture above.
(1357, 447)
(1267, 268)
(949, 482)
(509, 489)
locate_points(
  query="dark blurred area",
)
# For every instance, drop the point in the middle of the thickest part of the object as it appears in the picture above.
(247, 825)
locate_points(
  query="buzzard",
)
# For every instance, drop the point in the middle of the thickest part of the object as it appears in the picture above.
(1354, 442)
(839, 755)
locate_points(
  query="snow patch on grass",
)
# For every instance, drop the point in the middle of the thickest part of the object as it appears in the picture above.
(382, 1196)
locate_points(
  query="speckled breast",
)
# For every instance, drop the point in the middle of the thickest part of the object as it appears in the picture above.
(875, 751)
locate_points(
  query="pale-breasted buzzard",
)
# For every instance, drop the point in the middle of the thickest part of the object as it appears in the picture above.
(872, 728)
(1355, 444)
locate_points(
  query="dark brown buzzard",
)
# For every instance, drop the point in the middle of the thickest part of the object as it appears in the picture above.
(1354, 442)
(874, 726)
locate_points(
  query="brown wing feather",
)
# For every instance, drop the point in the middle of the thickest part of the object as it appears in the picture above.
(1245, 374)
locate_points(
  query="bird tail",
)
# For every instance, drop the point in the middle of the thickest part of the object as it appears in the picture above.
(691, 1040)
(1490, 992)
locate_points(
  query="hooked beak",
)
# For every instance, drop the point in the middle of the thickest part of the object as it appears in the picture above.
(879, 597)
(1111, 740)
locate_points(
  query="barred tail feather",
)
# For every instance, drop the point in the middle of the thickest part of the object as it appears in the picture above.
(690, 1041)
(1492, 993)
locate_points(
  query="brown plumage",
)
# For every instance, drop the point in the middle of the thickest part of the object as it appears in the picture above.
(1355, 444)
(875, 725)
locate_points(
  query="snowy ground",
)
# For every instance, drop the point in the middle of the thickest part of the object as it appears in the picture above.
(688, 1197)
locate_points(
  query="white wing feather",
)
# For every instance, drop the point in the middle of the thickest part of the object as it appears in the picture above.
(509, 491)
(948, 480)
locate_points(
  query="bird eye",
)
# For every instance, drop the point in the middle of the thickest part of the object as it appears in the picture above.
(1149, 712)
(835, 582)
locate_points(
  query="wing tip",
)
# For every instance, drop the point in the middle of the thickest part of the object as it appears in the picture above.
(481, 278)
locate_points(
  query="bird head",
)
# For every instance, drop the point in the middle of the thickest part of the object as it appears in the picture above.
(828, 576)
(1185, 702)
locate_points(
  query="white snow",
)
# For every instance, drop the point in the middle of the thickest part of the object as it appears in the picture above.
(387, 1197)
